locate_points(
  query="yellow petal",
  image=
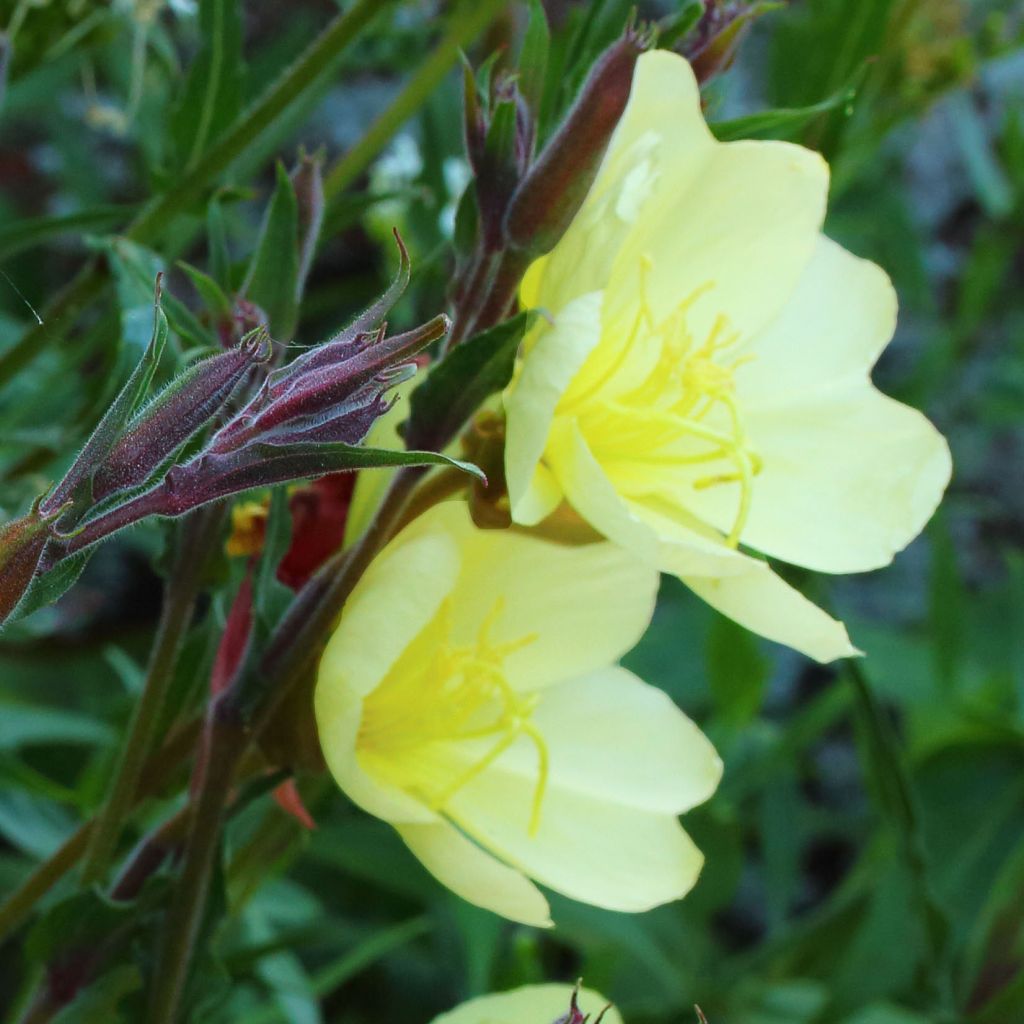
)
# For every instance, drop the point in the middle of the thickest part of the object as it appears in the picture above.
(639, 529)
(475, 875)
(531, 1004)
(397, 596)
(582, 606)
(850, 476)
(613, 737)
(759, 600)
(659, 146)
(589, 849)
(556, 354)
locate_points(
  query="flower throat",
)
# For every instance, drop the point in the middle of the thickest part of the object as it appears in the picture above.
(440, 692)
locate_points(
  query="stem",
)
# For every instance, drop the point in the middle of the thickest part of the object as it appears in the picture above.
(225, 741)
(240, 712)
(303, 74)
(466, 22)
(196, 538)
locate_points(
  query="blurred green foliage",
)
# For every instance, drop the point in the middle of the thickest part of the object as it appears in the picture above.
(865, 853)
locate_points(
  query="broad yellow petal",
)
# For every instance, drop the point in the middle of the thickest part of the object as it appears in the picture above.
(475, 875)
(631, 525)
(589, 849)
(659, 146)
(850, 476)
(611, 736)
(531, 1004)
(397, 596)
(759, 600)
(571, 609)
(557, 351)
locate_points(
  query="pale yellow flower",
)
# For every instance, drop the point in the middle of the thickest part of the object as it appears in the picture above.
(470, 697)
(531, 1004)
(704, 381)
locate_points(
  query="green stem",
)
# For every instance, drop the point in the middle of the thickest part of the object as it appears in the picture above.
(196, 539)
(244, 711)
(224, 742)
(302, 75)
(469, 19)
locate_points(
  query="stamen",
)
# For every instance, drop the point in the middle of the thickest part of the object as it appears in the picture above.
(443, 701)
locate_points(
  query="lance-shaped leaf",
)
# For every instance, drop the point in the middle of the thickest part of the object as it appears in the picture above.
(457, 386)
(110, 428)
(308, 183)
(175, 415)
(272, 281)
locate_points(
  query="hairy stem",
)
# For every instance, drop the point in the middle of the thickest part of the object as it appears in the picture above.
(244, 711)
(196, 539)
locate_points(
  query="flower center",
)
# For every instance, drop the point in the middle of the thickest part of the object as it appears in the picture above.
(684, 411)
(439, 693)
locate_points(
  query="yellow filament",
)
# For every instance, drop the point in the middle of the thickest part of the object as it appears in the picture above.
(688, 383)
(454, 694)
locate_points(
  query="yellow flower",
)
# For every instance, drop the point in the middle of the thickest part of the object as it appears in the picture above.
(704, 382)
(470, 698)
(531, 1004)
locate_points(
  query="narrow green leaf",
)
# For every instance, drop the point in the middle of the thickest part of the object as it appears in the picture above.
(24, 234)
(787, 122)
(455, 388)
(533, 59)
(217, 241)
(274, 270)
(209, 291)
(212, 97)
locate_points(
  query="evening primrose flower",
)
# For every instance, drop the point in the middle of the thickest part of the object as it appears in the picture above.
(703, 383)
(534, 1004)
(470, 697)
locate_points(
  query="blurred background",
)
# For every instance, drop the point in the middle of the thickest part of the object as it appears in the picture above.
(865, 853)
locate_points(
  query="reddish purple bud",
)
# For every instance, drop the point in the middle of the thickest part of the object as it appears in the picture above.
(21, 547)
(712, 45)
(552, 192)
(308, 182)
(235, 639)
(184, 406)
(332, 393)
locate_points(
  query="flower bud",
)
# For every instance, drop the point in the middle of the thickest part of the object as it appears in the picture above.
(21, 547)
(554, 189)
(176, 414)
(713, 44)
(308, 182)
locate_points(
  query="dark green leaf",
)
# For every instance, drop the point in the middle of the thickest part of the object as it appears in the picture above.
(274, 270)
(533, 59)
(212, 97)
(455, 388)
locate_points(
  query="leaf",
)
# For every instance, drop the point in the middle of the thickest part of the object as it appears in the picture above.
(533, 58)
(274, 270)
(217, 240)
(25, 724)
(135, 270)
(47, 589)
(212, 97)
(99, 1002)
(24, 234)
(737, 672)
(272, 596)
(786, 122)
(209, 291)
(457, 386)
(32, 824)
